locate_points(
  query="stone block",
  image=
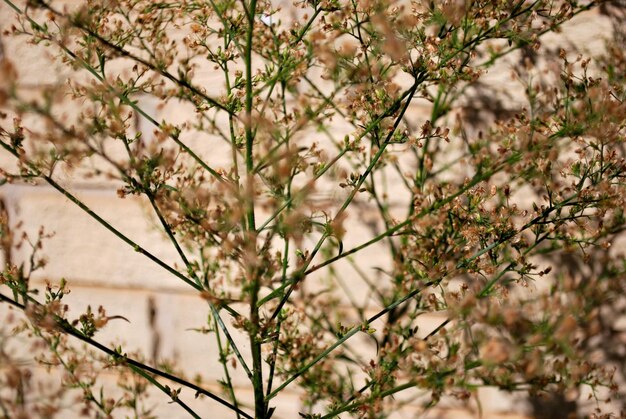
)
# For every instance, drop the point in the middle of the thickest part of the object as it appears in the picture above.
(82, 250)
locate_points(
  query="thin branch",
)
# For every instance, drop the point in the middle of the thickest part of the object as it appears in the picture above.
(65, 327)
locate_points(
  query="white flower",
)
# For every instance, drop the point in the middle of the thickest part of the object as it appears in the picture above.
(267, 20)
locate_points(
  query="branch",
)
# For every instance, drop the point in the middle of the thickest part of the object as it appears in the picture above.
(122, 96)
(134, 245)
(65, 327)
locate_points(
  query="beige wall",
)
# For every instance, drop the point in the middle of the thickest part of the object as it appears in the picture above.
(103, 271)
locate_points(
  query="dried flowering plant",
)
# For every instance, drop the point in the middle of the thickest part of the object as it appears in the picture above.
(331, 174)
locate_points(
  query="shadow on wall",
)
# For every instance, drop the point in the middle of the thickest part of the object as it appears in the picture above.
(552, 406)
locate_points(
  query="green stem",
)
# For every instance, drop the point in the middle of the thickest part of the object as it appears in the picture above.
(300, 274)
(409, 96)
(416, 291)
(124, 53)
(134, 245)
(175, 136)
(165, 389)
(353, 331)
(224, 361)
(252, 273)
(65, 327)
